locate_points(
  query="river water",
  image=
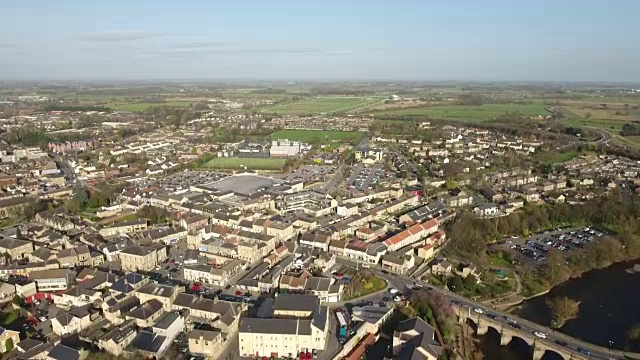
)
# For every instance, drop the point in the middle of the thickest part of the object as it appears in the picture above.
(609, 306)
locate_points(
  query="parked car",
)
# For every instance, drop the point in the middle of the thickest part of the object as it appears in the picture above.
(584, 351)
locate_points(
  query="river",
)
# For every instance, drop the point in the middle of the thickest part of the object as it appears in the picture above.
(609, 307)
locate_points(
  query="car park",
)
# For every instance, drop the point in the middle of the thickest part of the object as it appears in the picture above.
(562, 239)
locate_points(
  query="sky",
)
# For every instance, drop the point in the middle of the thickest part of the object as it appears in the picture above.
(488, 40)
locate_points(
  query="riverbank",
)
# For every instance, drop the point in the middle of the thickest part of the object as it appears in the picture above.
(580, 273)
(608, 305)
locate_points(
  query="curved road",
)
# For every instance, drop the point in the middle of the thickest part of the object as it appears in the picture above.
(555, 338)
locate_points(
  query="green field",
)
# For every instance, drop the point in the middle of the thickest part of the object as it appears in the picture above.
(248, 163)
(139, 107)
(256, 94)
(311, 135)
(471, 113)
(328, 104)
(605, 124)
(554, 156)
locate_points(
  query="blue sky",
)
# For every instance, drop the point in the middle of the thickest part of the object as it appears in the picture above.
(562, 40)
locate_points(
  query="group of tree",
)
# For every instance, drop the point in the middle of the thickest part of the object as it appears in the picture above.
(562, 310)
(171, 115)
(77, 202)
(471, 99)
(630, 130)
(155, 215)
(435, 308)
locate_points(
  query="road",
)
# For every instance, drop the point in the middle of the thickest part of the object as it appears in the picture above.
(555, 338)
(331, 184)
(605, 137)
(65, 168)
(404, 159)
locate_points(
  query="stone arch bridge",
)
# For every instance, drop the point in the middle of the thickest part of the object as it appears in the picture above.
(563, 345)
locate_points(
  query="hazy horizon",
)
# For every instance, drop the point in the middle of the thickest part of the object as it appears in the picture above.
(494, 41)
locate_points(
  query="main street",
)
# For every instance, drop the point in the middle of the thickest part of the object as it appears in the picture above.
(403, 283)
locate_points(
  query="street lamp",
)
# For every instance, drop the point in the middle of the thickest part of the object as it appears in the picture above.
(610, 344)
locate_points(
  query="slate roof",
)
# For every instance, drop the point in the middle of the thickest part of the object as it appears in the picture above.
(320, 318)
(121, 332)
(27, 344)
(275, 326)
(166, 319)
(138, 250)
(157, 290)
(148, 341)
(204, 334)
(318, 284)
(425, 339)
(11, 243)
(147, 310)
(62, 352)
(126, 284)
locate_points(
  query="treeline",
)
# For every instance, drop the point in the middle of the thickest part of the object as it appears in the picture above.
(511, 123)
(76, 108)
(318, 91)
(29, 136)
(269, 91)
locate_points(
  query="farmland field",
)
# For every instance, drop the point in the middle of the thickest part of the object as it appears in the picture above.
(139, 107)
(257, 94)
(249, 163)
(310, 135)
(606, 124)
(322, 105)
(472, 113)
(596, 111)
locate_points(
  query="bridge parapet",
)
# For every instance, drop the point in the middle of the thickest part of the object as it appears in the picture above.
(507, 333)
